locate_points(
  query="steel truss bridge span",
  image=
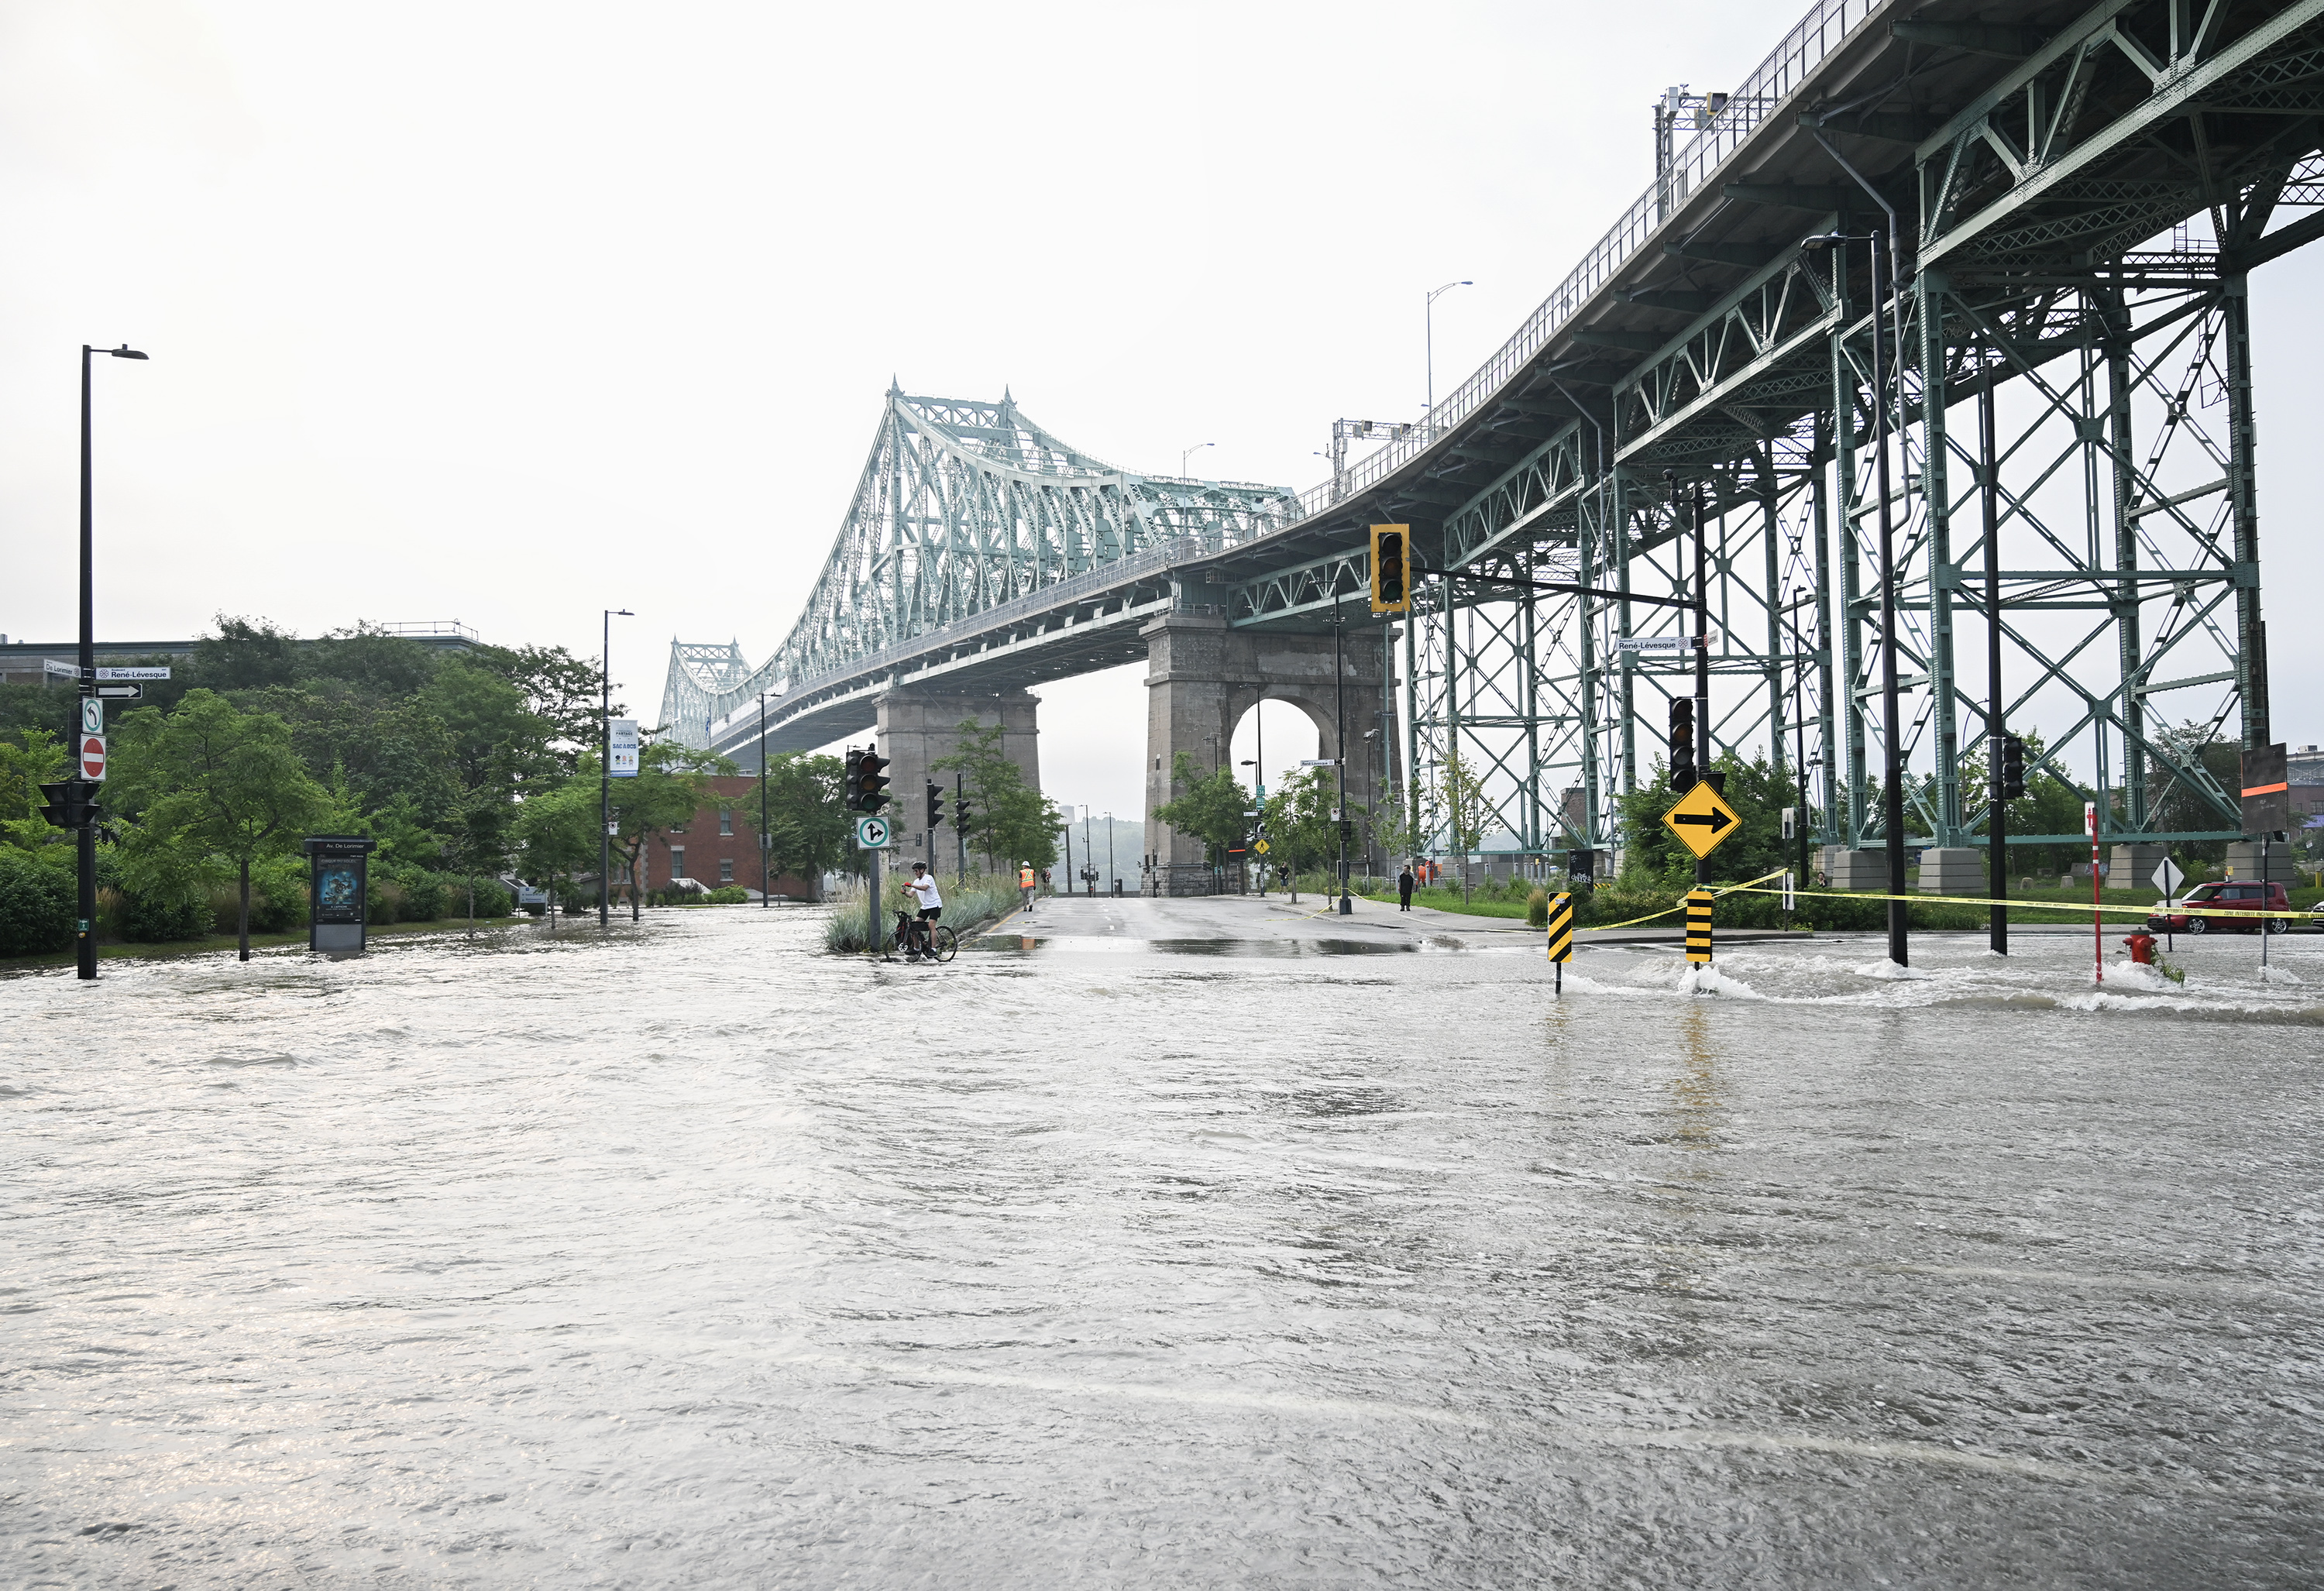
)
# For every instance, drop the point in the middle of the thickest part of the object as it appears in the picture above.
(2078, 193)
(980, 552)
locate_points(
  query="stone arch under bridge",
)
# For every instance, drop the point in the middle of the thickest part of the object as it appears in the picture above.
(1201, 675)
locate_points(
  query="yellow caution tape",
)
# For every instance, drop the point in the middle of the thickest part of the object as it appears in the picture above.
(1650, 917)
(2202, 908)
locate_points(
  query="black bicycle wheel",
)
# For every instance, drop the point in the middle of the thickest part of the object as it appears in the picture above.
(946, 942)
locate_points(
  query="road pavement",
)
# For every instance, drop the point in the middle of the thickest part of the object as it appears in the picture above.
(1251, 917)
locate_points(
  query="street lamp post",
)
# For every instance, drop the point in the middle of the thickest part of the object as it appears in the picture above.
(1429, 331)
(763, 844)
(605, 760)
(1892, 759)
(85, 837)
(1187, 453)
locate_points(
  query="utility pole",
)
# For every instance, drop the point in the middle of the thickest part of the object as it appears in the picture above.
(1891, 727)
(605, 760)
(763, 846)
(84, 834)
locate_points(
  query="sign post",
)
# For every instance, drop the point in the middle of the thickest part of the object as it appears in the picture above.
(1697, 924)
(2097, 928)
(2266, 807)
(873, 834)
(1561, 937)
(2167, 879)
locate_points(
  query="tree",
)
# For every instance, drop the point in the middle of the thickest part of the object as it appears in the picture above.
(561, 690)
(34, 759)
(1300, 833)
(557, 834)
(1467, 809)
(213, 777)
(1009, 818)
(671, 785)
(1214, 808)
(807, 825)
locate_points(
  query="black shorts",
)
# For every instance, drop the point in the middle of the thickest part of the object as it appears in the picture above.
(930, 913)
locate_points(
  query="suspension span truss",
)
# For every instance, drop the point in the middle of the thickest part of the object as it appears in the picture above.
(977, 544)
(2076, 196)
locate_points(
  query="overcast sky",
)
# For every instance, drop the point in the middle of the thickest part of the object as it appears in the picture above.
(509, 313)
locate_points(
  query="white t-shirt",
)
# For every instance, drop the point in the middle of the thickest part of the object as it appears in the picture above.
(924, 888)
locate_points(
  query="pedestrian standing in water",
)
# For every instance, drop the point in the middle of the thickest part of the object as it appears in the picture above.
(1403, 889)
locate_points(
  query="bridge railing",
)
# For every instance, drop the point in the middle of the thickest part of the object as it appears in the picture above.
(1802, 50)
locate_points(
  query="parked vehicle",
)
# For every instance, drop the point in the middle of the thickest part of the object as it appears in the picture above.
(2227, 905)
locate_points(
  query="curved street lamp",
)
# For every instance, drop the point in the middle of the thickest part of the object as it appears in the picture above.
(1430, 319)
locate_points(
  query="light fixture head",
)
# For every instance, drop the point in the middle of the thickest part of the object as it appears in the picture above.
(125, 352)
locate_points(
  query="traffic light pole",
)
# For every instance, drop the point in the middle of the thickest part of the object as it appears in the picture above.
(1701, 669)
(1997, 813)
(1340, 679)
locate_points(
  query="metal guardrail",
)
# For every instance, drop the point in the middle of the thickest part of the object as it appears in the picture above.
(1805, 48)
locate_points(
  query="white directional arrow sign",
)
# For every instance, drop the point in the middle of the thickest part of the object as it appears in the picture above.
(872, 834)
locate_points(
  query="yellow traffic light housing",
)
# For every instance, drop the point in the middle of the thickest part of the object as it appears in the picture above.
(1391, 568)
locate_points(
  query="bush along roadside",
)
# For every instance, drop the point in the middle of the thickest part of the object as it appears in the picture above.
(966, 907)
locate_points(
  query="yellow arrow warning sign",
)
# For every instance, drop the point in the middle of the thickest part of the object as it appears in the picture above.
(1701, 820)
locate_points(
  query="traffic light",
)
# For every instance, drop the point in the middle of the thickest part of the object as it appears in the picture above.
(936, 806)
(1682, 743)
(1391, 568)
(959, 813)
(70, 804)
(851, 796)
(871, 784)
(2012, 768)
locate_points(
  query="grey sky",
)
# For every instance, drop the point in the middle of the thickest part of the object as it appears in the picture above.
(511, 312)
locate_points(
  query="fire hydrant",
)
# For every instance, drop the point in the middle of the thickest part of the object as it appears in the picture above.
(2141, 947)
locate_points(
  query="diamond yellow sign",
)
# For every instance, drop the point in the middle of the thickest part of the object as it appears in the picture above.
(1701, 820)
(1259, 846)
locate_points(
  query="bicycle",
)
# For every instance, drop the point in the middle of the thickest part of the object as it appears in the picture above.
(942, 942)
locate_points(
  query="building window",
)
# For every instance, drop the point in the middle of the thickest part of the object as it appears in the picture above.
(725, 869)
(725, 820)
(678, 861)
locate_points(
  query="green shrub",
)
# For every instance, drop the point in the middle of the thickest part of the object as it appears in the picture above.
(492, 898)
(36, 906)
(424, 896)
(729, 895)
(1537, 908)
(383, 901)
(160, 916)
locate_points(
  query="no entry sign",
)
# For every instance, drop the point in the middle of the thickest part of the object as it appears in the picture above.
(92, 757)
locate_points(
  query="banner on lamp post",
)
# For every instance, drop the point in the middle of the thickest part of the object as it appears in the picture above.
(621, 748)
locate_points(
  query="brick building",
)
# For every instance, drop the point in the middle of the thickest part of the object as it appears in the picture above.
(718, 849)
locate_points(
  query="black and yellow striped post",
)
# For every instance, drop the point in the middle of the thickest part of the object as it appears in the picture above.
(1698, 925)
(1561, 935)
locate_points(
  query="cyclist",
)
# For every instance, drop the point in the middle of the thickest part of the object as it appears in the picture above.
(923, 887)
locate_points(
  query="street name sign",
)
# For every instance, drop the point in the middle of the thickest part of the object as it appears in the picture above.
(132, 673)
(872, 834)
(1651, 643)
(1701, 820)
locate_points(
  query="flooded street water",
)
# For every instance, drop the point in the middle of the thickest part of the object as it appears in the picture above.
(693, 1256)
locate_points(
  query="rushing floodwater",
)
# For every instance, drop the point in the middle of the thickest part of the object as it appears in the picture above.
(696, 1258)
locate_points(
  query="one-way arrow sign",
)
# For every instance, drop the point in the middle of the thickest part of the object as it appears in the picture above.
(1701, 820)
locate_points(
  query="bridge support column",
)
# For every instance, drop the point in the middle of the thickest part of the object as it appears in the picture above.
(917, 726)
(1201, 677)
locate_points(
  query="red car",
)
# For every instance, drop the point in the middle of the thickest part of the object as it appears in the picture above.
(2228, 905)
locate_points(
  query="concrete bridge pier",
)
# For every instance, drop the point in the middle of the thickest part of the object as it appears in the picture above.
(1201, 677)
(917, 726)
